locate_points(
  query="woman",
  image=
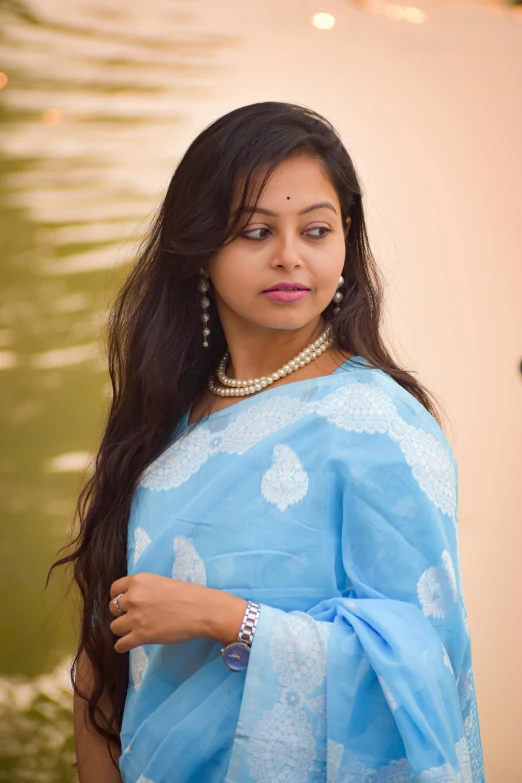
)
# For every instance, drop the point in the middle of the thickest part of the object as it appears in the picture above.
(273, 540)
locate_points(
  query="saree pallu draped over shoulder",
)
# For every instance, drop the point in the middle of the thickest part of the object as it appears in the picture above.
(332, 503)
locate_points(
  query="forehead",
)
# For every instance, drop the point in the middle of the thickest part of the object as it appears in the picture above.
(295, 183)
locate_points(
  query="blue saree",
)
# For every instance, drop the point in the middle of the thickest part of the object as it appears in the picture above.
(332, 503)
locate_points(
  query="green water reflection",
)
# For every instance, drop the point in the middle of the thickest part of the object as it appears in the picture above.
(88, 90)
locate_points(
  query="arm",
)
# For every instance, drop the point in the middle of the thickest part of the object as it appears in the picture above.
(95, 764)
(160, 610)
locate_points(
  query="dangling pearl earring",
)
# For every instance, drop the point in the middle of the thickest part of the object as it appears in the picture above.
(203, 287)
(338, 297)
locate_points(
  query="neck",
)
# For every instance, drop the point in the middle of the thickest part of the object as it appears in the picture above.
(257, 353)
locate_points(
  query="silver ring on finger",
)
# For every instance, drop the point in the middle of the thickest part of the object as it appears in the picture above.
(116, 602)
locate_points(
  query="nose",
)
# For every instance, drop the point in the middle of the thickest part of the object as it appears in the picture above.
(286, 255)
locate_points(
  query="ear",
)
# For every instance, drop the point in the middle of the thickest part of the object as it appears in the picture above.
(347, 227)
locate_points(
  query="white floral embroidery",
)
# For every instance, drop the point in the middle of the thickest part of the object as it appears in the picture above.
(468, 725)
(366, 407)
(142, 541)
(286, 482)
(392, 704)
(139, 663)
(443, 774)
(463, 756)
(465, 618)
(298, 652)
(397, 771)
(318, 706)
(141, 779)
(284, 745)
(446, 658)
(356, 407)
(188, 565)
(460, 579)
(179, 462)
(360, 407)
(447, 567)
(261, 420)
(186, 456)
(437, 588)
(466, 687)
(334, 755)
(291, 697)
(472, 729)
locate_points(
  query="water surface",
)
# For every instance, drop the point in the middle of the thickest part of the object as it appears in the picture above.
(89, 135)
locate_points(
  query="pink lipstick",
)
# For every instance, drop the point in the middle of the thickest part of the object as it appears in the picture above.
(286, 292)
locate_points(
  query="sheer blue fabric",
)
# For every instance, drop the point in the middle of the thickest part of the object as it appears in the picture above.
(331, 502)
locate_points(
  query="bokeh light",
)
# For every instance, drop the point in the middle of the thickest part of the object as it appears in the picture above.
(323, 21)
(51, 116)
(414, 15)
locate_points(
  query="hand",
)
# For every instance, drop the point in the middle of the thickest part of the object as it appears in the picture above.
(160, 610)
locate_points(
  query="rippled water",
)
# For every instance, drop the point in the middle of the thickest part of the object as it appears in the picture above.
(88, 137)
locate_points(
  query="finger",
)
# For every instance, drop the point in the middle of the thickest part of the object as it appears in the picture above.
(120, 586)
(121, 626)
(113, 609)
(126, 643)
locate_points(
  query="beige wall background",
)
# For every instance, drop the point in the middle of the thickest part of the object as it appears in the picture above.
(432, 115)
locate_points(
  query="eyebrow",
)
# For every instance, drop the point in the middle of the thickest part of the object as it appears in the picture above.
(263, 211)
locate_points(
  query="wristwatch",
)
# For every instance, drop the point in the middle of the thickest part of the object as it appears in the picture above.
(236, 655)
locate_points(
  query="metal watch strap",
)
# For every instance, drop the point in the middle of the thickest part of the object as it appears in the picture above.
(248, 626)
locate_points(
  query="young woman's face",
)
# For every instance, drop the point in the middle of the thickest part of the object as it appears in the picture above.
(295, 238)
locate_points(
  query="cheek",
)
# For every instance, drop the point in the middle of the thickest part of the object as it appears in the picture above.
(327, 268)
(234, 275)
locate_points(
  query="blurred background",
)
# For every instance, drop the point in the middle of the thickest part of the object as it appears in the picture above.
(98, 102)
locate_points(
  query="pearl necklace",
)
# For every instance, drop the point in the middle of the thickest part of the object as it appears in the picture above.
(235, 388)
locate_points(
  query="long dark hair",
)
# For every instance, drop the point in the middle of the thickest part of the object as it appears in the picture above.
(157, 364)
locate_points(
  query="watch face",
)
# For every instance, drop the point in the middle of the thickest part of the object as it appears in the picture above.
(236, 656)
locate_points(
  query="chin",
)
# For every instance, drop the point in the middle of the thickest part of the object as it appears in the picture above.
(288, 324)
(282, 317)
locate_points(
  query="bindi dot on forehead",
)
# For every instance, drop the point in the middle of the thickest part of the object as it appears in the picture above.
(288, 197)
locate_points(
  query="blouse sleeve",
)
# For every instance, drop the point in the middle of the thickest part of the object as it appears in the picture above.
(375, 683)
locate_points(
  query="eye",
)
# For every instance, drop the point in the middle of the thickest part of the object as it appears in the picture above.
(246, 234)
(319, 228)
(249, 234)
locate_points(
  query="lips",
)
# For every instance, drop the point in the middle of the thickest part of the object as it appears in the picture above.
(287, 287)
(286, 292)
